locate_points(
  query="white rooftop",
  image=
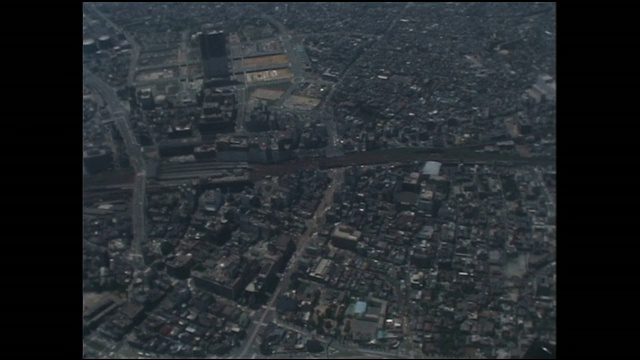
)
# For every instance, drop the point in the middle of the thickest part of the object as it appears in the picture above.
(431, 168)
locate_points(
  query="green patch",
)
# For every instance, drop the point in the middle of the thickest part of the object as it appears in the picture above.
(302, 287)
(351, 310)
(96, 345)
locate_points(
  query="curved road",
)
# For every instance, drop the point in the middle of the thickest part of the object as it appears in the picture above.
(134, 150)
(135, 54)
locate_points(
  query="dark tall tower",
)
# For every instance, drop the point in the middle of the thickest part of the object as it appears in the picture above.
(214, 54)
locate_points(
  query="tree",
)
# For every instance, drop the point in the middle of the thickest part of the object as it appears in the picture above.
(340, 315)
(321, 318)
(327, 324)
(347, 327)
(331, 312)
(166, 248)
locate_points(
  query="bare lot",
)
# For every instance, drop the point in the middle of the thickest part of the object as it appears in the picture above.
(267, 94)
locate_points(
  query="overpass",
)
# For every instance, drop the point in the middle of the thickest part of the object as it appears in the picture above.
(134, 150)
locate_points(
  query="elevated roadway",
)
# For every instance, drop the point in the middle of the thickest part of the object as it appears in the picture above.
(134, 150)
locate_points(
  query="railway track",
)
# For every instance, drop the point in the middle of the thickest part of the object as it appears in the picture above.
(169, 172)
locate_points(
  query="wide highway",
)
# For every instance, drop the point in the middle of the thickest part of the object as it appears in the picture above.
(134, 150)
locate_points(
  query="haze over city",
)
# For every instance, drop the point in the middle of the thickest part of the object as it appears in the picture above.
(319, 180)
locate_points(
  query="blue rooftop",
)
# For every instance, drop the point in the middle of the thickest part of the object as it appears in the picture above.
(361, 307)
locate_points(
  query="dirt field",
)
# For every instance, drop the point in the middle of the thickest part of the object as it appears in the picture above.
(236, 64)
(91, 299)
(267, 94)
(194, 70)
(234, 38)
(153, 75)
(266, 60)
(302, 102)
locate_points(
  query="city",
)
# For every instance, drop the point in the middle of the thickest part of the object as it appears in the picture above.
(319, 180)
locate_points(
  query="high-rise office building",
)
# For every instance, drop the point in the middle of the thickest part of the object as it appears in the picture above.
(214, 54)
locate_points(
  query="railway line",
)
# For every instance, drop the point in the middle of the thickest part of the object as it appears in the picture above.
(200, 166)
(172, 172)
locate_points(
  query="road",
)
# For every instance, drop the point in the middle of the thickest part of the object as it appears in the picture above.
(366, 158)
(292, 50)
(135, 47)
(242, 95)
(295, 59)
(337, 346)
(328, 116)
(135, 154)
(551, 200)
(337, 176)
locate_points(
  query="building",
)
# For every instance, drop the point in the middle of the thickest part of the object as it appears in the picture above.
(345, 237)
(269, 260)
(329, 76)
(229, 288)
(411, 183)
(426, 201)
(406, 200)
(160, 100)
(285, 245)
(180, 132)
(286, 304)
(212, 200)
(214, 54)
(205, 152)
(506, 145)
(94, 316)
(232, 148)
(540, 350)
(420, 259)
(546, 86)
(228, 278)
(431, 168)
(180, 266)
(147, 100)
(266, 276)
(218, 111)
(133, 312)
(321, 272)
(360, 308)
(178, 147)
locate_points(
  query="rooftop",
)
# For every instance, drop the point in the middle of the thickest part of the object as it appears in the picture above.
(346, 232)
(361, 307)
(431, 168)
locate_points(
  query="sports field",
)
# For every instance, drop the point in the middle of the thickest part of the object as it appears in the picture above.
(267, 94)
(301, 102)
